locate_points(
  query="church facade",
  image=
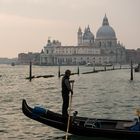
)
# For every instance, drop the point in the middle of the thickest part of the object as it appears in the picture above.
(99, 50)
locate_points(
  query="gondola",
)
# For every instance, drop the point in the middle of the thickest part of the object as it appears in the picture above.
(84, 126)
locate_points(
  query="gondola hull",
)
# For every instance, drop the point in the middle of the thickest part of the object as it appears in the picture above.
(83, 126)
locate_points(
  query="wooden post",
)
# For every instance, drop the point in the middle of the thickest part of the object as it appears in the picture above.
(105, 68)
(131, 78)
(78, 70)
(94, 67)
(120, 66)
(59, 71)
(113, 67)
(30, 71)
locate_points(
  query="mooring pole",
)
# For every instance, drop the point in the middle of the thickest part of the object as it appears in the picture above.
(78, 70)
(30, 71)
(59, 71)
(93, 67)
(120, 66)
(105, 68)
(131, 78)
(113, 67)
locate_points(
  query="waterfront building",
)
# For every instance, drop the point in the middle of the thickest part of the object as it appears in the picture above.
(25, 58)
(104, 49)
(133, 55)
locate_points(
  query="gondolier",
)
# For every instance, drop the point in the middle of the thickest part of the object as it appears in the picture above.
(66, 89)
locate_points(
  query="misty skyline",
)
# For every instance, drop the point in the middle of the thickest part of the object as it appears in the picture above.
(25, 25)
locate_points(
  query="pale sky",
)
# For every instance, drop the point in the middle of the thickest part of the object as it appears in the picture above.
(25, 25)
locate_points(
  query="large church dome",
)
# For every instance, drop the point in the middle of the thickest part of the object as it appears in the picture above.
(106, 31)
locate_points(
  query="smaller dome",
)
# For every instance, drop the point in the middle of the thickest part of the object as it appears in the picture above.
(88, 35)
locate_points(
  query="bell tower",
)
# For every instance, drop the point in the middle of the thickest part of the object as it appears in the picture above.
(79, 37)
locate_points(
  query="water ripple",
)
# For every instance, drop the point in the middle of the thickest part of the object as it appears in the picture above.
(104, 95)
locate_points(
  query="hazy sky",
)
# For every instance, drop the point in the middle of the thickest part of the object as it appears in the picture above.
(25, 25)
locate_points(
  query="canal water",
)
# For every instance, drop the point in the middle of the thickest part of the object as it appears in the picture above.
(108, 94)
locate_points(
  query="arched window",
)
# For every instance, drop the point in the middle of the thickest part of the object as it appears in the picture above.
(109, 43)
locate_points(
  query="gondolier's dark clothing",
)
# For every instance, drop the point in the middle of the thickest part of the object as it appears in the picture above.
(66, 88)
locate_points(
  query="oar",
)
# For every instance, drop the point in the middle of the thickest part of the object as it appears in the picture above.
(70, 103)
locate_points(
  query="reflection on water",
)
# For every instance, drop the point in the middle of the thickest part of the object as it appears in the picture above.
(108, 94)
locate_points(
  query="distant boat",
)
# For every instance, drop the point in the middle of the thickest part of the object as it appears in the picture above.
(137, 69)
(108, 64)
(12, 64)
(89, 64)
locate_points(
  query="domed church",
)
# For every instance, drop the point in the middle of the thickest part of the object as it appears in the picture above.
(100, 50)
